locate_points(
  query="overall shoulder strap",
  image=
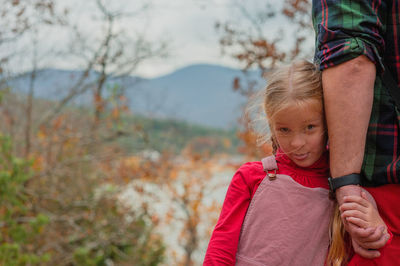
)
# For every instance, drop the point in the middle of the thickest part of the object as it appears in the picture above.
(269, 163)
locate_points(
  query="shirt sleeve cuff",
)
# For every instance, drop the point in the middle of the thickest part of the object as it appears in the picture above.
(336, 51)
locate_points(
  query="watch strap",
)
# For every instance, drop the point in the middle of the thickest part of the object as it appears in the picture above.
(337, 182)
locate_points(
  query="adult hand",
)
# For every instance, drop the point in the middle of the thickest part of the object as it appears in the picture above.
(370, 249)
(366, 253)
(349, 190)
(365, 240)
(375, 238)
(363, 213)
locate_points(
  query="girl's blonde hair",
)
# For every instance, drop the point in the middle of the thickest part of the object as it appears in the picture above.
(338, 250)
(296, 83)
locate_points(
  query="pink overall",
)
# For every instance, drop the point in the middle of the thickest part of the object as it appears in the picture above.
(286, 223)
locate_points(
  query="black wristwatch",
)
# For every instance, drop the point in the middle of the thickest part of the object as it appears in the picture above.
(337, 182)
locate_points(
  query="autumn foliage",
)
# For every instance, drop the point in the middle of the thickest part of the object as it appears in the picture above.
(72, 189)
(252, 44)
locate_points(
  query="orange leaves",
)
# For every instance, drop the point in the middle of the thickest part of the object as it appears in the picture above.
(254, 43)
(193, 210)
(260, 43)
(38, 163)
(296, 6)
(54, 143)
(41, 134)
(155, 219)
(115, 113)
(98, 102)
(288, 13)
(58, 122)
(127, 169)
(257, 44)
(227, 143)
(236, 84)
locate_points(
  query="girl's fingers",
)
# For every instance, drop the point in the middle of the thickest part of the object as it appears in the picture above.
(356, 199)
(352, 206)
(353, 213)
(357, 221)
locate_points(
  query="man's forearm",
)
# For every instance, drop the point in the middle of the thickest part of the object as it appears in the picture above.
(348, 96)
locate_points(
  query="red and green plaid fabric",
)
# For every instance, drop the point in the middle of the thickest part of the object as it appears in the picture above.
(347, 29)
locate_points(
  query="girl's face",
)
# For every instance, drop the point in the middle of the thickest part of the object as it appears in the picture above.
(300, 132)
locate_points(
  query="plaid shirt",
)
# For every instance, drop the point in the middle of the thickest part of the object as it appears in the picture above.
(346, 29)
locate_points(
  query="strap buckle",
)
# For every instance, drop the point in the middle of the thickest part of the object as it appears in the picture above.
(271, 176)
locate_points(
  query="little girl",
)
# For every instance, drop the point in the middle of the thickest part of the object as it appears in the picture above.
(277, 211)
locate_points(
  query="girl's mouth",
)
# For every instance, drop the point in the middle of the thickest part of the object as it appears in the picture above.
(300, 157)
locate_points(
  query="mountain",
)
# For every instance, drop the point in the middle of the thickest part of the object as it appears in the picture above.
(200, 94)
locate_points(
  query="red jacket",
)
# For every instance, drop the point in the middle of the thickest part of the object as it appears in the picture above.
(224, 241)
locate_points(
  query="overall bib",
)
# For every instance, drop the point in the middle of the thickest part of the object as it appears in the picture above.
(286, 223)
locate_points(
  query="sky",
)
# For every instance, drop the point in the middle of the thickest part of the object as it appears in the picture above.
(188, 26)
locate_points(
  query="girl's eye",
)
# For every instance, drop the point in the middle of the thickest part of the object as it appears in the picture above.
(283, 130)
(310, 127)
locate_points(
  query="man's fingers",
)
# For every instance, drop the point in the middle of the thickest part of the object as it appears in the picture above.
(364, 195)
(358, 232)
(376, 244)
(368, 254)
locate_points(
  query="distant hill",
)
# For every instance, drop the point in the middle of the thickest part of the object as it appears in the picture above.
(200, 94)
(173, 135)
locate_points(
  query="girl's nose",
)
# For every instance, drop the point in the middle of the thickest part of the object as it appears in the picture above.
(298, 141)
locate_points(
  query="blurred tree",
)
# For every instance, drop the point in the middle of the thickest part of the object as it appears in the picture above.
(68, 146)
(251, 40)
(21, 229)
(112, 52)
(107, 52)
(88, 224)
(194, 210)
(19, 18)
(262, 38)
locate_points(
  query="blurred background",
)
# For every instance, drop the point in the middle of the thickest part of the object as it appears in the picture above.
(122, 123)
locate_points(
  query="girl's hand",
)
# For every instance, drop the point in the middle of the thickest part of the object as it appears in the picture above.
(363, 215)
(361, 212)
